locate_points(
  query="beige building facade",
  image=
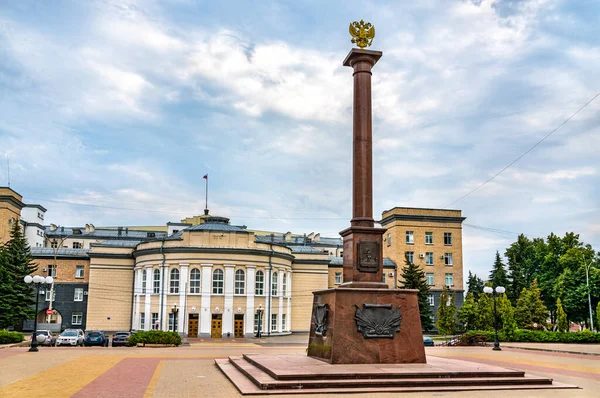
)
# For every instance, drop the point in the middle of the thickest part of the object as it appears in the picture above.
(11, 204)
(432, 239)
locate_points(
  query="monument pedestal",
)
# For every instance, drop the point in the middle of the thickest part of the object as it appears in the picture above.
(366, 326)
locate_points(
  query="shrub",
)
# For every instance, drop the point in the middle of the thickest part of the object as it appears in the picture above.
(154, 337)
(7, 337)
(541, 336)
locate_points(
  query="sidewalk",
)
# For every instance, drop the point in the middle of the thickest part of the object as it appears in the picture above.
(582, 349)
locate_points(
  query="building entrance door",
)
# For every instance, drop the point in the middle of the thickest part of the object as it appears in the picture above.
(238, 326)
(193, 325)
(216, 329)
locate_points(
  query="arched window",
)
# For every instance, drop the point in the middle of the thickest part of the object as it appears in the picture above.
(274, 284)
(259, 286)
(218, 281)
(240, 282)
(195, 281)
(284, 286)
(174, 281)
(156, 282)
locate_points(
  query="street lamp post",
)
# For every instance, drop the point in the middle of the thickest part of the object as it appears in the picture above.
(259, 312)
(494, 293)
(38, 280)
(175, 311)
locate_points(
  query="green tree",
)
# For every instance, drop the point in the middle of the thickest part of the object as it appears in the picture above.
(530, 308)
(498, 275)
(561, 317)
(414, 278)
(467, 314)
(16, 296)
(598, 316)
(446, 314)
(485, 313)
(521, 266)
(506, 312)
(474, 285)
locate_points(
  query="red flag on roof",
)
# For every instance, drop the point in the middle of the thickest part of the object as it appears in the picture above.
(205, 176)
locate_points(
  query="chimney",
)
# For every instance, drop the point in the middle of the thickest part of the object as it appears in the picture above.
(87, 228)
(288, 236)
(317, 238)
(52, 227)
(92, 228)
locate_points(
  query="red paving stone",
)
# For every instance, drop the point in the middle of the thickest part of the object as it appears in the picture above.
(532, 368)
(8, 352)
(128, 379)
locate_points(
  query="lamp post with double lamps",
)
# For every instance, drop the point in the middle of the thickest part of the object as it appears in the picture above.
(259, 312)
(495, 292)
(38, 280)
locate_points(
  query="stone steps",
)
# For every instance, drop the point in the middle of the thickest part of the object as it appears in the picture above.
(297, 374)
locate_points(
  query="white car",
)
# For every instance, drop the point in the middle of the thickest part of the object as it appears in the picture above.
(72, 337)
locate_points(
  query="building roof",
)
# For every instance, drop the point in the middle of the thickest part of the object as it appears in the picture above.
(334, 260)
(307, 249)
(118, 243)
(216, 226)
(299, 240)
(104, 233)
(38, 252)
(42, 208)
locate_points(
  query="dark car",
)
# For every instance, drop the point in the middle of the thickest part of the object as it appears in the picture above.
(120, 339)
(428, 341)
(96, 338)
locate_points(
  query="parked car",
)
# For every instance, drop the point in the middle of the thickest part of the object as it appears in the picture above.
(120, 339)
(96, 337)
(73, 337)
(49, 340)
(428, 341)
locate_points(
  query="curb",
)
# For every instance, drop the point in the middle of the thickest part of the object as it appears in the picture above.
(21, 344)
(551, 350)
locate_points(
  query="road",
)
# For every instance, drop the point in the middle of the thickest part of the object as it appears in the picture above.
(189, 371)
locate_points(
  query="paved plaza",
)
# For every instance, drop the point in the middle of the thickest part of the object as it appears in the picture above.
(190, 370)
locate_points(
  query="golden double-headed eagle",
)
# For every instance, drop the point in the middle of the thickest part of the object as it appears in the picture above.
(362, 33)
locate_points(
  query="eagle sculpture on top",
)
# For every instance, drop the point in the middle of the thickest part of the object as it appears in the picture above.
(362, 33)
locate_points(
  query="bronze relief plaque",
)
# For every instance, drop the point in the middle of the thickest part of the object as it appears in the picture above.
(377, 320)
(368, 256)
(320, 319)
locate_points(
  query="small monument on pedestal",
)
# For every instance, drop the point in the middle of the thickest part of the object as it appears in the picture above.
(363, 321)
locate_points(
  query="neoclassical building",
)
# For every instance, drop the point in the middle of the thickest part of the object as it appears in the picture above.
(209, 280)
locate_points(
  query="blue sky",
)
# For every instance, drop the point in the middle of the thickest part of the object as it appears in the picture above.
(127, 104)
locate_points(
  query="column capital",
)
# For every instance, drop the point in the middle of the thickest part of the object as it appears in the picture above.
(358, 55)
(206, 265)
(229, 265)
(250, 266)
(184, 264)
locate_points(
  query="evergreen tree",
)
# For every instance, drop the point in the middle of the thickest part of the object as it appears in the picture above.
(498, 275)
(17, 296)
(474, 285)
(561, 317)
(485, 313)
(467, 314)
(531, 308)
(446, 314)
(414, 278)
(521, 265)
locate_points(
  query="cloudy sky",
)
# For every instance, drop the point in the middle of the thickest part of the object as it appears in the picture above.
(112, 111)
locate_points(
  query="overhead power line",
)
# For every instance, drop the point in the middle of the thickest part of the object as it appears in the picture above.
(524, 153)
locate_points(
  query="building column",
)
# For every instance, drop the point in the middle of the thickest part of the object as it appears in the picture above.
(148, 292)
(228, 310)
(183, 281)
(289, 304)
(137, 292)
(163, 311)
(250, 285)
(280, 291)
(205, 312)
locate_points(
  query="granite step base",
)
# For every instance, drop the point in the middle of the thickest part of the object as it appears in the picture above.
(256, 374)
